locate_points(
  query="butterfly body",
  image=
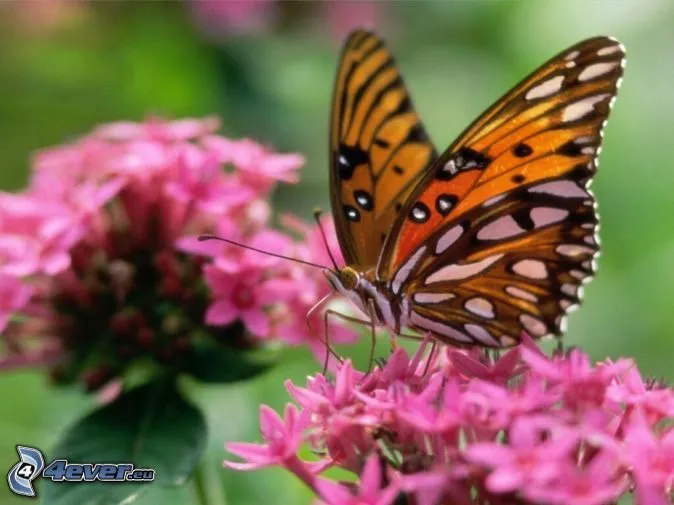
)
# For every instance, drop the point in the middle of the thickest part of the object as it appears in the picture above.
(489, 239)
(373, 297)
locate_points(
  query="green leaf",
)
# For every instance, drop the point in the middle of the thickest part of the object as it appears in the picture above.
(216, 363)
(151, 426)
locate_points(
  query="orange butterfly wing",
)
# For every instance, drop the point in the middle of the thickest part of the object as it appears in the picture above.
(500, 233)
(378, 148)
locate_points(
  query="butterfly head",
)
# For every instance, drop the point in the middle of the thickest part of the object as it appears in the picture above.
(344, 279)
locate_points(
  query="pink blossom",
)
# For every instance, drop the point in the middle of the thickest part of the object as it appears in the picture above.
(474, 429)
(528, 457)
(225, 16)
(256, 165)
(35, 235)
(371, 489)
(300, 324)
(343, 16)
(106, 236)
(651, 457)
(243, 296)
(282, 439)
(159, 130)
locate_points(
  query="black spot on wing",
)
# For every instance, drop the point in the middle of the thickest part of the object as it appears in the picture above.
(420, 213)
(347, 159)
(351, 213)
(570, 149)
(467, 158)
(363, 199)
(522, 150)
(464, 159)
(523, 219)
(445, 203)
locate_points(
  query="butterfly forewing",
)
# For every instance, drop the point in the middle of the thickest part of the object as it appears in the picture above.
(378, 148)
(499, 234)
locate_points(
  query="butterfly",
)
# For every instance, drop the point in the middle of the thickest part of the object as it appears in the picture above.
(495, 236)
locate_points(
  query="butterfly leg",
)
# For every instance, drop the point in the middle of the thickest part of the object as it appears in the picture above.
(356, 320)
(373, 340)
(326, 341)
(434, 344)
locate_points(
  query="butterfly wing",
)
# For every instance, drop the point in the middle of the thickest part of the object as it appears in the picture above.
(378, 148)
(499, 234)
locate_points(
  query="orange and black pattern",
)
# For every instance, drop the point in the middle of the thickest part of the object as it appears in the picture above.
(378, 148)
(505, 216)
(494, 237)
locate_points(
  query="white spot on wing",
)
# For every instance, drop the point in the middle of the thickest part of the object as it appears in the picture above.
(569, 289)
(535, 327)
(404, 271)
(596, 70)
(608, 50)
(507, 341)
(433, 297)
(438, 328)
(494, 199)
(581, 108)
(532, 269)
(565, 189)
(482, 335)
(546, 88)
(521, 294)
(584, 139)
(450, 167)
(572, 250)
(572, 55)
(502, 227)
(480, 307)
(454, 271)
(448, 239)
(543, 216)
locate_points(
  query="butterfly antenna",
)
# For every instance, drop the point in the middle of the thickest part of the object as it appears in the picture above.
(203, 238)
(317, 217)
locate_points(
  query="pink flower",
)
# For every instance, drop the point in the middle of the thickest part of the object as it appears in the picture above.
(105, 237)
(200, 182)
(282, 439)
(528, 457)
(217, 18)
(156, 129)
(343, 16)
(300, 324)
(599, 482)
(371, 488)
(244, 296)
(473, 429)
(256, 165)
(35, 235)
(651, 457)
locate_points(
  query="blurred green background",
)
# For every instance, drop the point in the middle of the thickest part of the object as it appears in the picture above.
(267, 68)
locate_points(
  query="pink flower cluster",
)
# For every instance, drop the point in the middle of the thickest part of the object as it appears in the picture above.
(99, 254)
(459, 427)
(221, 18)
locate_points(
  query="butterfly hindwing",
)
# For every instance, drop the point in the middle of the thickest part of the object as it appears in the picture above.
(378, 148)
(498, 235)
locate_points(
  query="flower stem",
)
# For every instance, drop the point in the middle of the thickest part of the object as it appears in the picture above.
(198, 478)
